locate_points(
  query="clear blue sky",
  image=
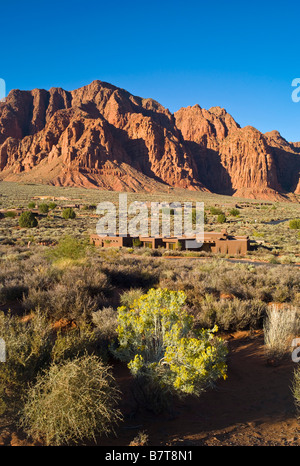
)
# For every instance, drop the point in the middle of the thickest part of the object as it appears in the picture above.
(238, 55)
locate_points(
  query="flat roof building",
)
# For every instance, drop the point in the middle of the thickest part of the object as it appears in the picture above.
(215, 242)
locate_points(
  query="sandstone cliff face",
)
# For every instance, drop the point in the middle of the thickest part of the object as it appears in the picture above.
(205, 127)
(287, 161)
(102, 136)
(249, 161)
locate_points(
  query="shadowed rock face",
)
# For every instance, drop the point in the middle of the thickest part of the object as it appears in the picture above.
(102, 136)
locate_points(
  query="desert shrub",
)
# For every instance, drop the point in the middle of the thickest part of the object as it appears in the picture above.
(258, 234)
(243, 281)
(27, 220)
(234, 212)
(76, 342)
(28, 348)
(105, 322)
(280, 327)
(215, 210)
(52, 205)
(68, 247)
(140, 440)
(38, 274)
(221, 218)
(164, 352)
(31, 205)
(73, 292)
(62, 301)
(87, 277)
(10, 214)
(68, 213)
(72, 401)
(294, 224)
(43, 208)
(231, 314)
(128, 297)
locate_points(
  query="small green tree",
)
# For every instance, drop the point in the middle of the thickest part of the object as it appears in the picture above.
(27, 220)
(215, 210)
(52, 205)
(68, 213)
(163, 350)
(234, 212)
(295, 224)
(43, 208)
(221, 218)
(10, 214)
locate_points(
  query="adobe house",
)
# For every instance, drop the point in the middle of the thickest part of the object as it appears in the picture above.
(215, 242)
(111, 241)
(226, 244)
(174, 242)
(151, 242)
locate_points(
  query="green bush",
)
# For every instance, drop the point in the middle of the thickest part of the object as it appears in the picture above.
(215, 210)
(73, 401)
(52, 205)
(10, 214)
(31, 205)
(221, 218)
(295, 224)
(27, 220)
(68, 213)
(231, 314)
(165, 353)
(68, 248)
(128, 297)
(234, 212)
(75, 342)
(43, 208)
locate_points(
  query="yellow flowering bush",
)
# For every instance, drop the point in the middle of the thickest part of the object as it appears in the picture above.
(157, 339)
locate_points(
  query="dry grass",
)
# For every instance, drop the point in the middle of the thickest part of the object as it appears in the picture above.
(280, 327)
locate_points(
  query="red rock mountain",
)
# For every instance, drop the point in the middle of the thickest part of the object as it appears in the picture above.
(102, 136)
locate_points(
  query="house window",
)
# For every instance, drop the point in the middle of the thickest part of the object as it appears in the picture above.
(148, 244)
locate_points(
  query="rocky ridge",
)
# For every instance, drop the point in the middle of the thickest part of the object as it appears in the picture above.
(102, 136)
